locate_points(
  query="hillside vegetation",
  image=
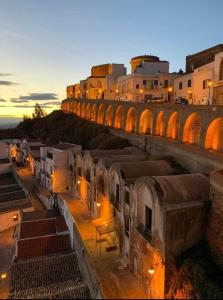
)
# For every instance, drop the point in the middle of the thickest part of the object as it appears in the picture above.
(58, 126)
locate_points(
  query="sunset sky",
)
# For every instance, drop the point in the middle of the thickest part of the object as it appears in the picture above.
(48, 44)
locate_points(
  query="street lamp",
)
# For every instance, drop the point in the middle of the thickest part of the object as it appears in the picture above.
(170, 90)
(209, 86)
(141, 92)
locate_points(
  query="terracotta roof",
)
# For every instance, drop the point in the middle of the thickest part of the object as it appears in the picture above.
(61, 225)
(64, 146)
(12, 196)
(42, 246)
(39, 215)
(7, 179)
(37, 228)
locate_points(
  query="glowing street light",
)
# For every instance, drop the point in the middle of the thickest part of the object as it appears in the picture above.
(98, 204)
(3, 275)
(151, 270)
(78, 182)
(209, 86)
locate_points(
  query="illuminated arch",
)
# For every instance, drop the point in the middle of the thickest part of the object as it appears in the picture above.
(101, 113)
(94, 112)
(78, 109)
(131, 120)
(88, 111)
(214, 135)
(160, 121)
(192, 129)
(75, 107)
(108, 116)
(83, 110)
(173, 126)
(146, 122)
(119, 116)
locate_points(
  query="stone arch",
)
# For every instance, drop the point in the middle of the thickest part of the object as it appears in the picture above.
(214, 135)
(75, 108)
(83, 110)
(146, 122)
(88, 111)
(94, 112)
(221, 70)
(192, 129)
(173, 126)
(101, 114)
(119, 116)
(160, 124)
(78, 109)
(131, 120)
(108, 116)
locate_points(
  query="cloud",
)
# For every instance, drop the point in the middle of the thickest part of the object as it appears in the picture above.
(15, 100)
(2, 100)
(32, 106)
(7, 83)
(38, 97)
(53, 103)
(5, 74)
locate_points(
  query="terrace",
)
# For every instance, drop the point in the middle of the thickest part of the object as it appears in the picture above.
(116, 281)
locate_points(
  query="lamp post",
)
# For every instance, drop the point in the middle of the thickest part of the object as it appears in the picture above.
(141, 92)
(170, 90)
(209, 86)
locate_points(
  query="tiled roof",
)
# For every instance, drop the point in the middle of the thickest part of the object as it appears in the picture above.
(64, 146)
(7, 179)
(39, 215)
(12, 196)
(4, 161)
(42, 246)
(9, 189)
(61, 225)
(37, 228)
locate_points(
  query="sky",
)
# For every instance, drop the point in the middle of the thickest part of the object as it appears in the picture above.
(46, 45)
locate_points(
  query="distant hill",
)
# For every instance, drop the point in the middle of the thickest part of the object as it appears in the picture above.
(58, 126)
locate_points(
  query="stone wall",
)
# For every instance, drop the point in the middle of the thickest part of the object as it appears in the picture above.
(215, 228)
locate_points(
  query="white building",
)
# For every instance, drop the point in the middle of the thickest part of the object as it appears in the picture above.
(55, 168)
(203, 81)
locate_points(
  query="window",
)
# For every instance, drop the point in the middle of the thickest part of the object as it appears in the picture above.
(166, 83)
(127, 197)
(189, 83)
(144, 82)
(204, 84)
(137, 86)
(180, 85)
(126, 225)
(79, 171)
(156, 82)
(148, 218)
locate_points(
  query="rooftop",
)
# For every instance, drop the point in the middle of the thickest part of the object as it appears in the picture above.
(42, 246)
(65, 146)
(4, 161)
(39, 215)
(7, 179)
(15, 195)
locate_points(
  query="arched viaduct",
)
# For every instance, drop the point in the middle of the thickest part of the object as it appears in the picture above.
(201, 126)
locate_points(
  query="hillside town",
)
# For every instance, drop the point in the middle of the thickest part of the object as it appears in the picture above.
(123, 222)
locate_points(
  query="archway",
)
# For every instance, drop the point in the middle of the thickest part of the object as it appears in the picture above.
(160, 124)
(94, 112)
(75, 107)
(108, 116)
(88, 111)
(83, 110)
(146, 122)
(131, 120)
(173, 126)
(192, 129)
(119, 115)
(78, 109)
(214, 135)
(101, 113)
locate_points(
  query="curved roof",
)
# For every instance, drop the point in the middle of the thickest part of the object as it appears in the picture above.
(146, 58)
(180, 188)
(131, 170)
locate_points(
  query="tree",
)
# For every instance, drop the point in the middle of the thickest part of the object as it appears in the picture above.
(38, 112)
